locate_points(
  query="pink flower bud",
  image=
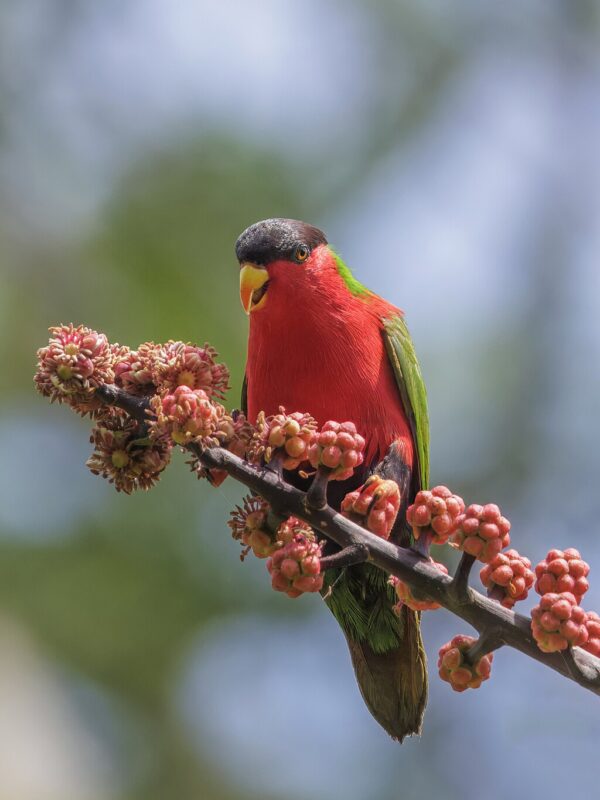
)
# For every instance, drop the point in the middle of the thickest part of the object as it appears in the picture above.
(457, 671)
(562, 571)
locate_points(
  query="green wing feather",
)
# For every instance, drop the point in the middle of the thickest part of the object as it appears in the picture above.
(406, 368)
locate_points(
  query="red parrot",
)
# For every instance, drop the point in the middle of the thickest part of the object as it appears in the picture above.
(321, 342)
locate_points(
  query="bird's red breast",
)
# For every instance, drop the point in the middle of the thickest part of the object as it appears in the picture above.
(317, 347)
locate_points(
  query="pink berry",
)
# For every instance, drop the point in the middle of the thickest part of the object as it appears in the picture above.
(339, 448)
(592, 623)
(434, 514)
(508, 577)
(562, 571)
(287, 435)
(457, 671)
(558, 622)
(482, 532)
(374, 505)
(295, 565)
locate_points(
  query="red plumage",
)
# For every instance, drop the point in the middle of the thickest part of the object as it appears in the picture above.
(315, 346)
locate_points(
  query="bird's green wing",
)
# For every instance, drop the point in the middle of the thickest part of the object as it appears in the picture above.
(406, 368)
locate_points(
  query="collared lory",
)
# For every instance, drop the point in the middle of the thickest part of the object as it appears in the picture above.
(320, 342)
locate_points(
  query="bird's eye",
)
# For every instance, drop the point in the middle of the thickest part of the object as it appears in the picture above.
(301, 253)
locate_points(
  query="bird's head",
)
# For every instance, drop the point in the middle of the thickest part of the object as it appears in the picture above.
(281, 259)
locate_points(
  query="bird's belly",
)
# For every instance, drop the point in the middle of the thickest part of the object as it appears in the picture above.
(371, 401)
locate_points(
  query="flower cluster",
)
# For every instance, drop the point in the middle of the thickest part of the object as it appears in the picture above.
(234, 433)
(286, 435)
(184, 416)
(374, 505)
(291, 527)
(134, 370)
(434, 514)
(75, 361)
(295, 567)
(562, 571)
(339, 448)
(454, 667)
(508, 577)
(482, 532)
(249, 524)
(123, 458)
(183, 364)
(558, 622)
(293, 553)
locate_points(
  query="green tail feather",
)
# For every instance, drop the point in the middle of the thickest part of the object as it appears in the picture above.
(387, 651)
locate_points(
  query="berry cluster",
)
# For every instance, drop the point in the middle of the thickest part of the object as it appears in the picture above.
(482, 532)
(374, 505)
(558, 622)
(455, 668)
(592, 624)
(183, 364)
(293, 553)
(75, 361)
(434, 514)
(562, 571)
(295, 567)
(179, 380)
(249, 524)
(124, 459)
(508, 577)
(338, 448)
(286, 435)
(134, 370)
(183, 416)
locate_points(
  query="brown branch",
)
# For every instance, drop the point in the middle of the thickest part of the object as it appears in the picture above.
(482, 613)
(487, 642)
(136, 407)
(497, 626)
(316, 497)
(460, 582)
(347, 557)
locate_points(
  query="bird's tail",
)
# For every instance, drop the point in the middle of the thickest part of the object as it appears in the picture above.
(387, 650)
(394, 683)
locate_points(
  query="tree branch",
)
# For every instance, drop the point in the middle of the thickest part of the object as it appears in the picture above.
(136, 407)
(460, 582)
(482, 613)
(497, 626)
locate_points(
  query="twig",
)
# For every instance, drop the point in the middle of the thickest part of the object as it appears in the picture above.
(489, 641)
(316, 497)
(482, 613)
(460, 582)
(354, 554)
(136, 407)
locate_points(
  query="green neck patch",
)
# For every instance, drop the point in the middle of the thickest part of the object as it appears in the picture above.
(354, 286)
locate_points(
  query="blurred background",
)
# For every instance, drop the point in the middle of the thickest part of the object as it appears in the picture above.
(450, 151)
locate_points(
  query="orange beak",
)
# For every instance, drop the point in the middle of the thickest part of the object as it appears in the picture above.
(253, 286)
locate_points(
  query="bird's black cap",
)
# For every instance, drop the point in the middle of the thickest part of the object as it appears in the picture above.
(274, 239)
